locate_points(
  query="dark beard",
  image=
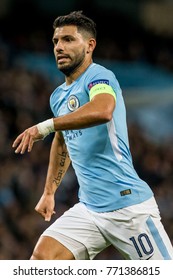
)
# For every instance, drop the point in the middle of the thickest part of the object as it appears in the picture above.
(68, 70)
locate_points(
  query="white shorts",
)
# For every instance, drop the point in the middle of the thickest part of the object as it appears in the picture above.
(135, 231)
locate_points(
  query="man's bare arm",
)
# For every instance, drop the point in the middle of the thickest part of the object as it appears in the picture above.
(59, 162)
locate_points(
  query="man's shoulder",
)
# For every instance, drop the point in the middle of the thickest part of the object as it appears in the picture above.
(99, 66)
(99, 69)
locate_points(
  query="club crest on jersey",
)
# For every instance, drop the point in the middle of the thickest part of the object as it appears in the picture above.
(73, 103)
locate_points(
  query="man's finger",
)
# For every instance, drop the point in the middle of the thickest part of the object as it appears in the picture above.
(23, 145)
(30, 145)
(18, 140)
(48, 216)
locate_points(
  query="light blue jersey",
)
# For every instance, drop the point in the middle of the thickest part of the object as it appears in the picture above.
(100, 155)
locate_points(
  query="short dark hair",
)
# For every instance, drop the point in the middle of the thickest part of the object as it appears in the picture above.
(78, 19)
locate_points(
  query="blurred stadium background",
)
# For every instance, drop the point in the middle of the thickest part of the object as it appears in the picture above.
(135, 40)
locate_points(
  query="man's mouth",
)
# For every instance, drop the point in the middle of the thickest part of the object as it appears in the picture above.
(62, 58)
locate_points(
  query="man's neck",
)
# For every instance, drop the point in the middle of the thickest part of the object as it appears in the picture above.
(79, 71)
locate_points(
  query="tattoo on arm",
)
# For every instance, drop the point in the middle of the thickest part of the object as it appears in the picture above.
(57, 180)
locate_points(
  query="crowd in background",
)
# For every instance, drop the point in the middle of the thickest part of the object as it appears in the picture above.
(24, 101)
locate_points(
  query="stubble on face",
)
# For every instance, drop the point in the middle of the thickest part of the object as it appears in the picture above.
(72, 63)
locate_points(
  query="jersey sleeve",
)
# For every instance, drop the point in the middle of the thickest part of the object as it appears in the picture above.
(103, 81)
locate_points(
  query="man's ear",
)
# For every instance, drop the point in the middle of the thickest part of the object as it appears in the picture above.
(91, 45)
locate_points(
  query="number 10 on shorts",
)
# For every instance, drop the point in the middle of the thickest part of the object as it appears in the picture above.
(142, 245)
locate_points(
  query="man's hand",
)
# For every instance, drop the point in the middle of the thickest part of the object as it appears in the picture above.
(26, 140)
(45, 206)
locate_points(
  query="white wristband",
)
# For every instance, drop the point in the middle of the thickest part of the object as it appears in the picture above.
(46, 127)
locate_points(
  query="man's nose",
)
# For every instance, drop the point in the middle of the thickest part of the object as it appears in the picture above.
(59, 46)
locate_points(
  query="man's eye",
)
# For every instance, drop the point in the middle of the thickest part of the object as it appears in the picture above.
(55, 42)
